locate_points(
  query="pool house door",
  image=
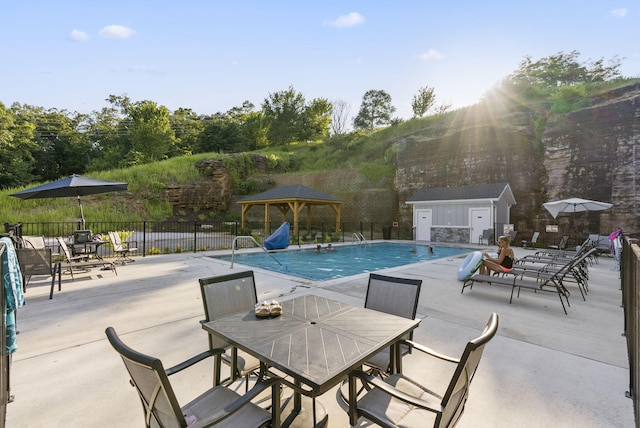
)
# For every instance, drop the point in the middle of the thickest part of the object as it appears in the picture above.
(423, 225)
(480, 221)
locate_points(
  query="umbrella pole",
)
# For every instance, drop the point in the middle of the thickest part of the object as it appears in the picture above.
(81, 212)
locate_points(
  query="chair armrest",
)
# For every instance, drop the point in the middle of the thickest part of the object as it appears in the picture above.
(429, 351)
(191, 361)
(428, 404)
(273, 383)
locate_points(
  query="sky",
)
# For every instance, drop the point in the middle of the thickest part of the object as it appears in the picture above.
(211, 56)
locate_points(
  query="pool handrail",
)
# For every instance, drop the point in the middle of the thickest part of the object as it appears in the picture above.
(360, 238)
(233, 248)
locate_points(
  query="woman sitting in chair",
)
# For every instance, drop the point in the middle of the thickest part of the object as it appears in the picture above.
(504, 262)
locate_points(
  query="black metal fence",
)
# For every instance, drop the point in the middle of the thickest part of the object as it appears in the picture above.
(630, 285)
(176, 237)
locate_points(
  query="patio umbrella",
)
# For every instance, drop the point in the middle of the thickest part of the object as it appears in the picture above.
(73, 185)
(575, 205)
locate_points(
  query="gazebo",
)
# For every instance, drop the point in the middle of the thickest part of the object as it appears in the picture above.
(294, 198)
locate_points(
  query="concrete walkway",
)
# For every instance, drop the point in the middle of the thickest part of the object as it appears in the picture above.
(543, 369)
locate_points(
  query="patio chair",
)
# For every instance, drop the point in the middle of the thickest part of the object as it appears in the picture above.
(218, 406)
(36, 259)
(487, 236)
(81, 262)
(222, 295)
(121, 249)
(562, 244)
(396, 296)
(532, 242)
(400, 400)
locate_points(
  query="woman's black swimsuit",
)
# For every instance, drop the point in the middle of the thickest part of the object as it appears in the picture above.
(507, 262)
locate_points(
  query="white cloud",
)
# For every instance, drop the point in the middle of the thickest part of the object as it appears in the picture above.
(144, 69)
(78, 35)
(350, 20)
(116, 32)
(431, 54)
(619, 13)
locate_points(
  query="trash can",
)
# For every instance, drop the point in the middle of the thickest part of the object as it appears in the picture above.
(386, 232)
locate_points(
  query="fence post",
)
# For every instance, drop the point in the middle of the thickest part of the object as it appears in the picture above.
(195, 237)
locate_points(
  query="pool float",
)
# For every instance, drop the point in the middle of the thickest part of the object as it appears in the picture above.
(469, 266)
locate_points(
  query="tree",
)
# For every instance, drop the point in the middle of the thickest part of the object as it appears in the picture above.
(423, 101)
(564, 69)
(16, 146)
(187, 128)
(375, 110)
(316, 120)
(289, 118)
(339, 117)
(150, 131)
(284, 115)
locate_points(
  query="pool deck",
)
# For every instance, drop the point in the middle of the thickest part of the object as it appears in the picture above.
(543, 368)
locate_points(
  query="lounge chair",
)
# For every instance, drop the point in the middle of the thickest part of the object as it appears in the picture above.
(121, 249)
(551, 282)
(216, 406)
(577, 271)
(81, 262)
(401, 401)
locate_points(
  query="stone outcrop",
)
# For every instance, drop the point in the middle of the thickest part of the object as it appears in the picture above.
(591, 153)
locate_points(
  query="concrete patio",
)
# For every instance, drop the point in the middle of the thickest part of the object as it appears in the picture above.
(544, 368)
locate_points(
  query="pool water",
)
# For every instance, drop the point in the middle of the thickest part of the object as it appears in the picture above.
(344, 261)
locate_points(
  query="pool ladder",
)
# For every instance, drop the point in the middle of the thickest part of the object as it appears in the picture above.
(360, 238)
(233, 248)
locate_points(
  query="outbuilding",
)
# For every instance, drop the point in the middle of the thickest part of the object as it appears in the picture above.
(461, 214)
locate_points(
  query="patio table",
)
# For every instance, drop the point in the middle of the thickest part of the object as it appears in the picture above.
(89, 248)
(316, 342)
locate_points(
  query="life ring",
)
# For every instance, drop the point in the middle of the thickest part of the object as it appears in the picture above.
(469, 266)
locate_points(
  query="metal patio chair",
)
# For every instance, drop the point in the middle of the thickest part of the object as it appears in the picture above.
(218, 406)
(395, 296)
(401, 401)
(223, 295)
(121, 249)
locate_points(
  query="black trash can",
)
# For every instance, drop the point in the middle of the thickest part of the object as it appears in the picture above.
(386, 232)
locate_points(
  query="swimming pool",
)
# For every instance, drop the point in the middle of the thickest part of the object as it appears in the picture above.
(344, 261)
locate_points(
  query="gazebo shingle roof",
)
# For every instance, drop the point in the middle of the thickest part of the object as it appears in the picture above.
(296, 191)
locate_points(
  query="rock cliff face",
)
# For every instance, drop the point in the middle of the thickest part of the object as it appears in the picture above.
(592, 153)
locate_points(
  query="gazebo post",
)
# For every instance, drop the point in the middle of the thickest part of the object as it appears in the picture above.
(266, 219)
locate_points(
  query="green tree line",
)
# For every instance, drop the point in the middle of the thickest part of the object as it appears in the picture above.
(38, 145)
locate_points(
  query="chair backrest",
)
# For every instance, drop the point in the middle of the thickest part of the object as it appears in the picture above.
(35, 242)
(64, 248)
(563, 242)
(227, 294)
(454, 399)
(159, 403)
(35, 261)
(115, 241)
(396, 296)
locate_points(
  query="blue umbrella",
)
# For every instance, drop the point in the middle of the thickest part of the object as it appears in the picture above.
(73, 185)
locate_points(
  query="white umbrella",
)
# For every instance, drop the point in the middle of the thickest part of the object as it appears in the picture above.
(575, 205)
